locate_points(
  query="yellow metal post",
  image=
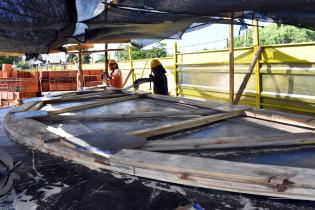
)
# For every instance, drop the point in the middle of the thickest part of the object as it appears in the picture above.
(257, 67)
(133, 76)
(231, 59)
(175, 68)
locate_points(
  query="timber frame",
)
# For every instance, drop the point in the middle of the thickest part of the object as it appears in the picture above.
(25, 125)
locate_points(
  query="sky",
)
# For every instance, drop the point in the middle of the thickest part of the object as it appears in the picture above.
(212, 37)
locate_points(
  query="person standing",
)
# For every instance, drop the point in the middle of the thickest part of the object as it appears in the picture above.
(158, 78)
(115, 76)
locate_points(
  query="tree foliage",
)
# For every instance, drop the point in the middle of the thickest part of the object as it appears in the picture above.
(157, 51)
(86, 58)
(72, 58)
(100, 59)
(9, 59)
(274, 34)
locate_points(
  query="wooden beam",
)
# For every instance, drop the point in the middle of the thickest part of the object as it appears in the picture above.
(129, 74)
(124, 116)
(95, 51)
(11, 54)
(80, 73)
(231, 59)
(222, 107)
(187, 124)
(79, 47)
(281, 117)
(83, 98)
(258, 179)
(248, 75)
(230, 142)
(91, 105)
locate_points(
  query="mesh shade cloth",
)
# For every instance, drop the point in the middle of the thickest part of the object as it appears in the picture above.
(41, 26)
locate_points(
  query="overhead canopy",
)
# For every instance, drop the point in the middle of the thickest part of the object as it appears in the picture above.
(34, 27)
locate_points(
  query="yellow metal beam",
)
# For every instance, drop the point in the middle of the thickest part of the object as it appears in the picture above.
(175, 68)
(231, 59)
(257, 67)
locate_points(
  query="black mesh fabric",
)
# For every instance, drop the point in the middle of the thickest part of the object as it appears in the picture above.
(41, 26)
(35, 26)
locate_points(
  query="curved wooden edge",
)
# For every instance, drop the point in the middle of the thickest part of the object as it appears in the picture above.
(277, 181)
(34, 134)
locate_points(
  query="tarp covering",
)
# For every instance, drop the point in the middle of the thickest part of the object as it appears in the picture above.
(42, 26)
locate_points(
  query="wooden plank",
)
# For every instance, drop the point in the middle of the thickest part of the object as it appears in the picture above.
(84, 98)
(231, 59)
(197, 103)
(175, 127)
(278, 181)
(248, 75)
(281, 117)
(23, 107)
(129, 74)
(91, 105)
(230, 142)
(124, 116)
(37, 106)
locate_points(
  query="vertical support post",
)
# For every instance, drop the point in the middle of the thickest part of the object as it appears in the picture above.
(80, 72)
(133, 76)
(231, 59)
(175, 68)
(257, 67)
(106, 61)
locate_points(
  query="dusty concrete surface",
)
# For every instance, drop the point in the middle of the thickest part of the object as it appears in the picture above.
(48, 182)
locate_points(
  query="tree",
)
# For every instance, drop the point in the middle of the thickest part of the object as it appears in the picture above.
(72, 58)
(157, 51)
(274, 34)
(86, 58)
(9, 60)
(100, 59)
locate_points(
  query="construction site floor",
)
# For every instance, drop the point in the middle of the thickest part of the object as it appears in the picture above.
(48, 182)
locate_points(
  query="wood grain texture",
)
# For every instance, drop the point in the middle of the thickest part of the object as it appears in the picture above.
(187, 124)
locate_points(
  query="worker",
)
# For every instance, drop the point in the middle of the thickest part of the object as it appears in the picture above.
(115, 76)
(158, 78)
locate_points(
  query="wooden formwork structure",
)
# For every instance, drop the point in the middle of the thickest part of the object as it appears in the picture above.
(145, 149)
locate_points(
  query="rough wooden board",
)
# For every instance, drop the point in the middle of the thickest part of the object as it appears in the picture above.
(120, 116)
(281, 117)
(29, 131)
(205, 104)
(59, 149)
(276, 181)
(91, 105)
(84, 98)
(268, 125)
(174, 127)
(230, 142)
(37, 106)
(23, 107)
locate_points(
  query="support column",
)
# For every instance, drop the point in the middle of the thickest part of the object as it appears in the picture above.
(80, 72)
(133, 76)
(106, 61)
(231, 59)
(175, 68)
(257, 67)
